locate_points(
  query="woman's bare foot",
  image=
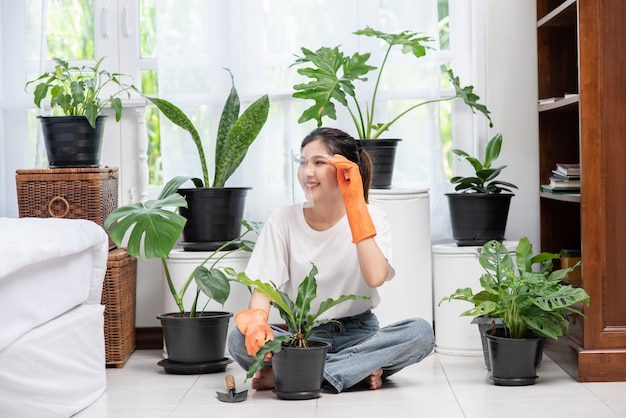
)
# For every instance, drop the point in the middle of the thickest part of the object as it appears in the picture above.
(264, 379)
(375, 380)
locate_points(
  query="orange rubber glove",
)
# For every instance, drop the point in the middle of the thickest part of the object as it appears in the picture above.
(253, 324)
(351, 185)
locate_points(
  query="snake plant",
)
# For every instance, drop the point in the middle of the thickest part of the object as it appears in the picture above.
(235, 133)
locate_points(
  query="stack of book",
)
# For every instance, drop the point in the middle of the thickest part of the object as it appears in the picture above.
(564, 179)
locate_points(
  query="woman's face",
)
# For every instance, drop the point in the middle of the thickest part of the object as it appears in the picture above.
(317, 176)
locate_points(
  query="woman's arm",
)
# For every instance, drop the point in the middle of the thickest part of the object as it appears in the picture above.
(374, 266)
(259, 301)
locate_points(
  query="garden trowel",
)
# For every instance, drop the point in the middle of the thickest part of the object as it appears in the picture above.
(231, 396)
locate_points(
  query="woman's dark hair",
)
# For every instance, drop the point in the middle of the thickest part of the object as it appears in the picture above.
(339, 142)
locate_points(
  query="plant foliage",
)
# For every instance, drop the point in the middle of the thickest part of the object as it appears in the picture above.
(333, 75)
(152, 229)
(523, 297)
(301, 322)
(235, 133)
(79, 91)
(483, 180)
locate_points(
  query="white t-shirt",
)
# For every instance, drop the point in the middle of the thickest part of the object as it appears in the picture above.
(287, 246)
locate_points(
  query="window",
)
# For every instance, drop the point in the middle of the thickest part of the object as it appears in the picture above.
(179, 53)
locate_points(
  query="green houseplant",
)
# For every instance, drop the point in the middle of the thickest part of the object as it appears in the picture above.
(80, 94)
(152, 229)
(532, 303)
(213, 213)
(480, 207)
(295, 349)
(332, 76)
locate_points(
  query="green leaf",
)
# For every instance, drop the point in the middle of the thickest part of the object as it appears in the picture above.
(150, 224)
(230, 113)
(178, 118)
(271, 346)
(327, 83)
(242, 134)
(411, 42)
(492, 151)
(469, 98)
(172, 186)
(213, 283)
(307, 292)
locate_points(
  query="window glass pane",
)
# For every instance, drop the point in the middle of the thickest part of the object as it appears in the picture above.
(444, 24)
(70, 29)
(153, 127)
(147, 28)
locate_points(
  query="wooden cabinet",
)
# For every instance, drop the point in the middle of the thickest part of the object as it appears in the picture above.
(579, 46)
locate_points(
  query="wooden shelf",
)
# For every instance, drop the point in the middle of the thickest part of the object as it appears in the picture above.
(560, 103)
(563, 15)
(563, 197)
(576, 44)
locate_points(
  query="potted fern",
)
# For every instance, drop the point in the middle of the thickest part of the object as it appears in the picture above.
(73, 138)
(480, 206)
(195, 339)
(213, 212)
(332, 76)
(532, 303)
(297, 360)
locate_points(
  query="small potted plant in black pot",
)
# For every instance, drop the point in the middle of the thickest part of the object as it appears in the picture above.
(533, 304)
(479, 208)
(332, 77)
(80, 94)
(297, 361)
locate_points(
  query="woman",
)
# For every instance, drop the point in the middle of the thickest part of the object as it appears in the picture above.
(350, 243)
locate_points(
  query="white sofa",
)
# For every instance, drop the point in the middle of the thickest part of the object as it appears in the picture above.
(52, 354)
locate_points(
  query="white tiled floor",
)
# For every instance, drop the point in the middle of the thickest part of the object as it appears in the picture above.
(440, 386)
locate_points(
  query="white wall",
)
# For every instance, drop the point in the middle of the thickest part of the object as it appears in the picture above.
(511, 80)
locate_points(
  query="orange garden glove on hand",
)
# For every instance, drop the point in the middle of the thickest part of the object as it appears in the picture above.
(351, 185)
(253, 324)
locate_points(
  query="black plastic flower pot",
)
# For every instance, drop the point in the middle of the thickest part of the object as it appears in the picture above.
(514, 361)
(478, 218)
(71, 141)
(198, 340)
(213, 217)
(383, 153)
(298, 372)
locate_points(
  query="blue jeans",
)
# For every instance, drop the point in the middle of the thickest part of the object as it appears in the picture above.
(358, 347)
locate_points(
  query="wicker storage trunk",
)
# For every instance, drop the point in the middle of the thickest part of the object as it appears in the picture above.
(72, 193)
(119, 299)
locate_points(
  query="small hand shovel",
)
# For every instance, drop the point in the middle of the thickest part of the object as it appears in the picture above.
(231, 396)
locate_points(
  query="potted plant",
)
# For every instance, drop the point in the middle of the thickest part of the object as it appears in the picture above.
(195, 339)
(533, 303)
(79, 94)
(480, 207)
(295, 350)
(332, 76)
(213, 213)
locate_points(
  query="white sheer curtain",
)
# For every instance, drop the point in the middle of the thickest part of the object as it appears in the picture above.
(257, 41)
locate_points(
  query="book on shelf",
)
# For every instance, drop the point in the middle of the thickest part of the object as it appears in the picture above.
(559, 183)
(549, 100)
(560, 176)
(568, 169)
(565, 190)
